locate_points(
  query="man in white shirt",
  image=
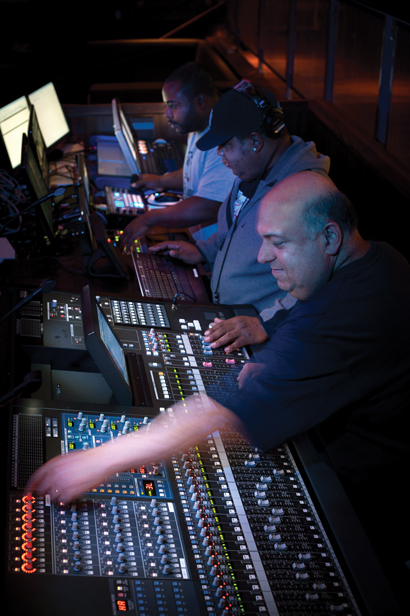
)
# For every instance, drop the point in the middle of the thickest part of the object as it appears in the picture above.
(189, 94)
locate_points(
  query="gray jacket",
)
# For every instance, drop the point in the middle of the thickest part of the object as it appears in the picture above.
(231, 253)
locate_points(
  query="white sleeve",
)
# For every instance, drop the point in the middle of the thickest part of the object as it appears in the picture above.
(216, 180)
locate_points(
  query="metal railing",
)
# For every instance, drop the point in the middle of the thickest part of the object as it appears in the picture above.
(343, 51)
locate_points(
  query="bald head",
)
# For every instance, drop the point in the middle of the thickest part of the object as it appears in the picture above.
(308, 230)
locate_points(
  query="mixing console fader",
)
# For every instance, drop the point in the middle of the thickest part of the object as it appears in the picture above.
(218, 529)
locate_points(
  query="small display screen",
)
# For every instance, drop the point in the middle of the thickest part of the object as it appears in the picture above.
(149, 487)
(112, 345)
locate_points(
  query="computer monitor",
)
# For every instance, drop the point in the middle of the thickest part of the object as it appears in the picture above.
(36, 141)
(125, 137)
(14, 121)
(50, 114)
(33, 179)
(105, 348)
(88, 241)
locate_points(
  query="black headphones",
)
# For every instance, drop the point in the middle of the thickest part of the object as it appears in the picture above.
(273, 119)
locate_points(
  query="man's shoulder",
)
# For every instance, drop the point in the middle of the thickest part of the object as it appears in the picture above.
(300, 156)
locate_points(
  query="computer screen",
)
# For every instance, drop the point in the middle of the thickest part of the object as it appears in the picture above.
(125, 138)
(50, 114)
(104, 347)
(14, 121)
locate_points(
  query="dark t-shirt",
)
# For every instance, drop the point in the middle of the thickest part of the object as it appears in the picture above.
(340, 363)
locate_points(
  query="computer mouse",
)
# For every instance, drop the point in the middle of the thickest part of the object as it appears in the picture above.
(160, 142)
(166, 198)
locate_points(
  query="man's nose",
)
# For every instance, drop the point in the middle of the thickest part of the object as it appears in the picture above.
(265, 255)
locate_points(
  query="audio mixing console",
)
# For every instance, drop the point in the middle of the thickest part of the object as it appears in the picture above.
(174, 359)
(219, 528)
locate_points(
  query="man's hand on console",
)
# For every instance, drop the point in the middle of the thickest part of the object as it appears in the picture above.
(188, 253)
(147, 181)
(236, 332)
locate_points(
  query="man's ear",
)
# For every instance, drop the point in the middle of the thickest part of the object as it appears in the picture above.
(200, 101)
(333, 236)
(257, 141)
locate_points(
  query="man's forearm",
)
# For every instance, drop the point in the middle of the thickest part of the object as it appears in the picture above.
(189, 212)
(66, 477)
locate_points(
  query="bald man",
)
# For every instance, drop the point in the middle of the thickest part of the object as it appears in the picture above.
(337, 333)
(338, 361)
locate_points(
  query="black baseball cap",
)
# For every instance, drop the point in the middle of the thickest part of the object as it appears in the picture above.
(233, 115)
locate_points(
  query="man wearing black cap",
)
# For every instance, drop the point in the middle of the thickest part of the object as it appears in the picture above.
(247, 127)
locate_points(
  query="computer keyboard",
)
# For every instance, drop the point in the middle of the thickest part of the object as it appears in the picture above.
(159, 158)
(160, 277)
